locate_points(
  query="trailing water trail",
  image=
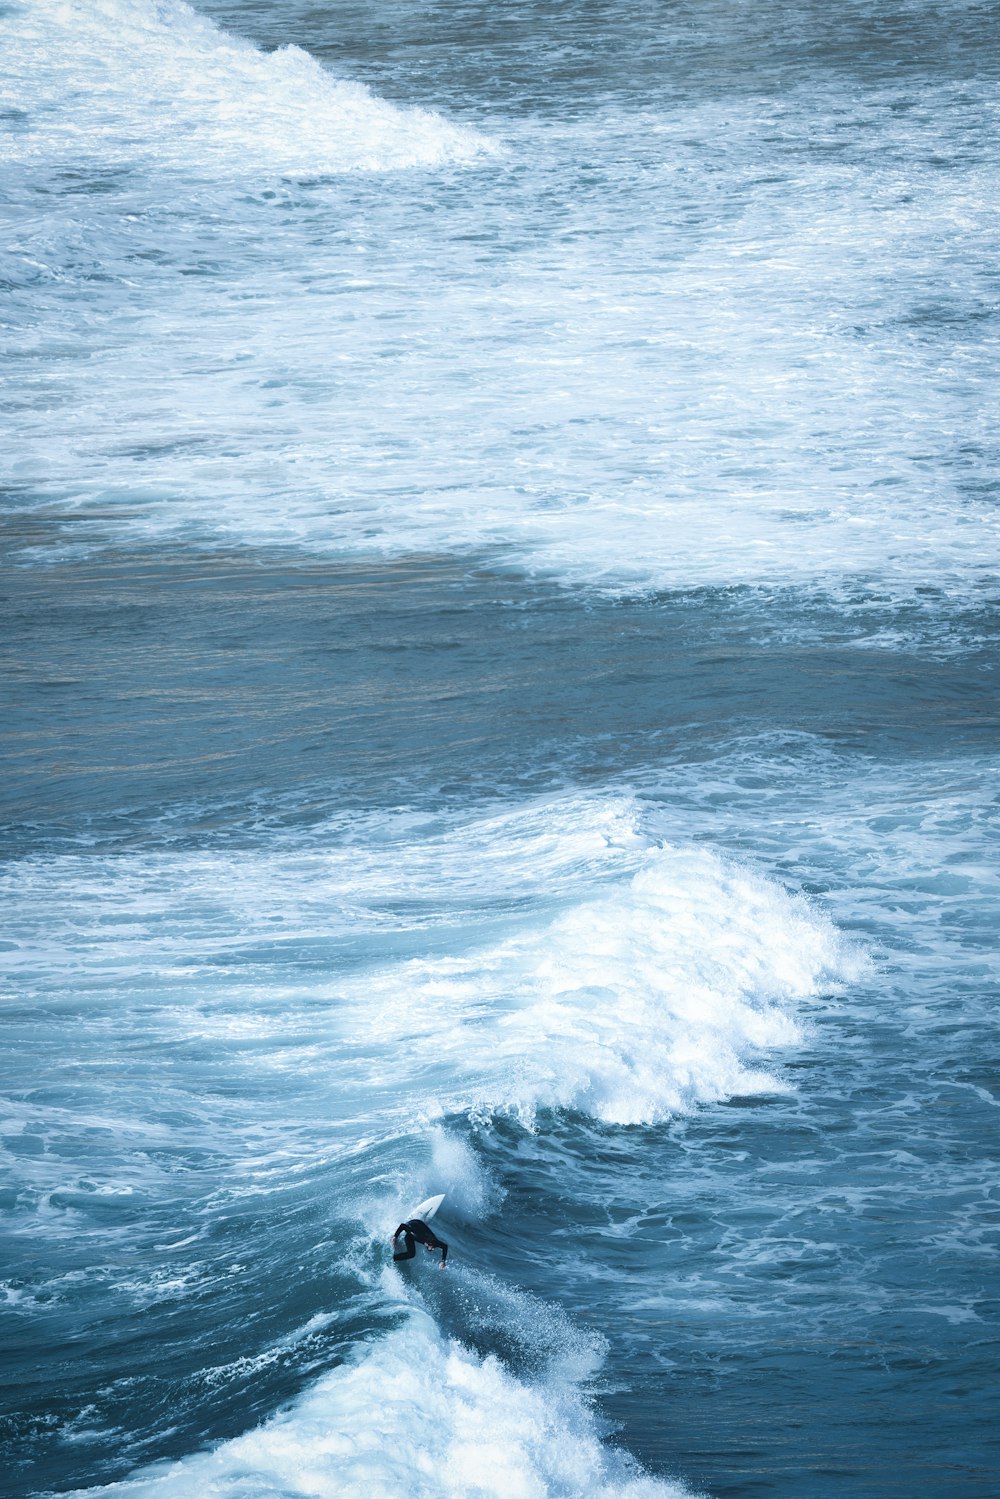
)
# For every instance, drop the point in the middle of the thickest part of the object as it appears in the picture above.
(448, 1424)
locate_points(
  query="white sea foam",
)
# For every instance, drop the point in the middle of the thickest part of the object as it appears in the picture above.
(421, 1415)
(150, 82)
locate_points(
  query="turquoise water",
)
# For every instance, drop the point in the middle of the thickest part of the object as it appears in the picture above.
(499, 627)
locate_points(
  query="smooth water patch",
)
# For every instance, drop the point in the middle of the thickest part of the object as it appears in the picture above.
(232, 692)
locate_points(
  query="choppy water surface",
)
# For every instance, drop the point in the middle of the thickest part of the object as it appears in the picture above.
(499, 625)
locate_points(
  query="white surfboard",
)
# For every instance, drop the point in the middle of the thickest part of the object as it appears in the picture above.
(427, 1209)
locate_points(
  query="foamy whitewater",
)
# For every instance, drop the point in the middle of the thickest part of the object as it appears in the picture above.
(500, 583)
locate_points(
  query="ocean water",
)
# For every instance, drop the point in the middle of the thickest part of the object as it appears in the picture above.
(499, 622)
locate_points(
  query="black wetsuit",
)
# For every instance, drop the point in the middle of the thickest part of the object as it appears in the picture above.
(416, 1232)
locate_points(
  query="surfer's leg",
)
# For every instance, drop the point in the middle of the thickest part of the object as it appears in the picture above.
(410, 1248)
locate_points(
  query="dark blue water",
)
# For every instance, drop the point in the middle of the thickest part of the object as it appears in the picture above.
(499, 630)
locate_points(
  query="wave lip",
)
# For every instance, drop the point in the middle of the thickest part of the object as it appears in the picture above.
(120, 82)
(420, 1415)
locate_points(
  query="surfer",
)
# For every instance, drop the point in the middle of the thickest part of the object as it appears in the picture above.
(415, 1232)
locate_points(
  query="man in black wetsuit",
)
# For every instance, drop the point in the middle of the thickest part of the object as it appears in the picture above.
(416, 1232)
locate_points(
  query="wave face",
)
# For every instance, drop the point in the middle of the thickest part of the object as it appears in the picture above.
(499, 638)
